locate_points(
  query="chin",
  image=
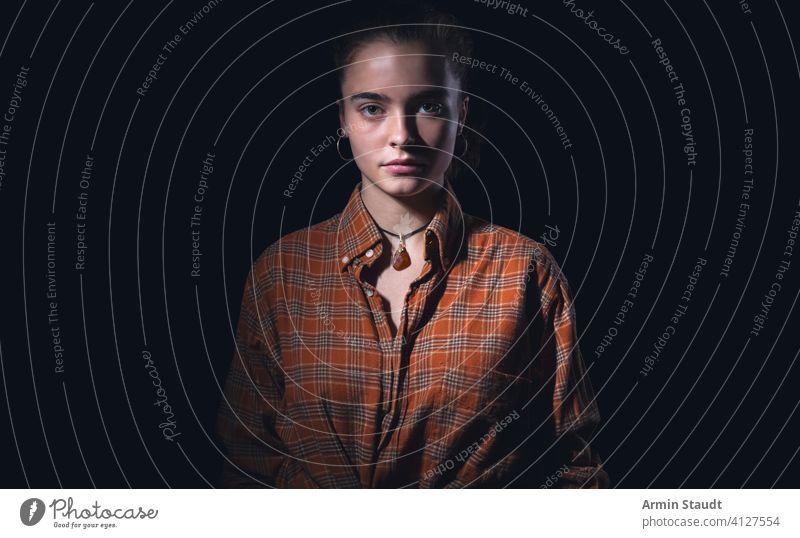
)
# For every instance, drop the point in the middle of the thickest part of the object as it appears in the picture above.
(403, 185)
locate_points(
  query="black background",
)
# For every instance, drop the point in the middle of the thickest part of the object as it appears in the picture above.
(251, 83)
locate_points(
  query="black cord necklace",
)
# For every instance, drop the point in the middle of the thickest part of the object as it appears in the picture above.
(401, 259)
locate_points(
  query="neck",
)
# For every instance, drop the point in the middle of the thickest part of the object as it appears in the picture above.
(400, 215)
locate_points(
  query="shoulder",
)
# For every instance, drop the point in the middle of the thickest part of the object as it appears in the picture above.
(297, 249)
(511, 243)
(522, 258)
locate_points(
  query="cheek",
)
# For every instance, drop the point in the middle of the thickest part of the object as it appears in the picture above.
(362, 137)
(364, 144)
(440, 135)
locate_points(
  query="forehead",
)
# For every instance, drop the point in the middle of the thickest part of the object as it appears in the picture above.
(396, 69)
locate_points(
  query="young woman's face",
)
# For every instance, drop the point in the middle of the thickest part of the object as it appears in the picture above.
(401, 103)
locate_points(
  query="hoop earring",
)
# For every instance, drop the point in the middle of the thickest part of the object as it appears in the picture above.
(339, 151)
(466, 145)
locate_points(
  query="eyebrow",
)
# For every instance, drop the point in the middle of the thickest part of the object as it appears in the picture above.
(372, 96)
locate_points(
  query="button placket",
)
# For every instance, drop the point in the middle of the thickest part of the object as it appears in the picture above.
(385, 349)
(376, 307)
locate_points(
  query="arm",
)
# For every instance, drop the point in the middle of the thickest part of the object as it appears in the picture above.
(575, 412)
(252, 397)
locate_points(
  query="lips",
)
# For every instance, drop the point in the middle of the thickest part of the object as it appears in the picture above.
(404, 166)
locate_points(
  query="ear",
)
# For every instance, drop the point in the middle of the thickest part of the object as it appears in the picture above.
(462, 113)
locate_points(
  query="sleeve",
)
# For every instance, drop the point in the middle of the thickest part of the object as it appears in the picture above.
(575, 412)
(252, 398)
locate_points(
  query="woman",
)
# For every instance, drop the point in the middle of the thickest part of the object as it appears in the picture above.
(402, 343)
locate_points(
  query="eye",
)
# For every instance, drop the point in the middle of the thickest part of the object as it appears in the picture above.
(431, 108)
(370, 110)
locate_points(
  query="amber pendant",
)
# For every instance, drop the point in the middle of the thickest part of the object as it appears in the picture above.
(401, 259)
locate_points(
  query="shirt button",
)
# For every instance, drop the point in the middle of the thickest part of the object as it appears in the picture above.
(369, 253)
(446, 260)
(369, 292)
(345, 259)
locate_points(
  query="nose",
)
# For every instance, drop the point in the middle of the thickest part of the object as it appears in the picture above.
(403, 129)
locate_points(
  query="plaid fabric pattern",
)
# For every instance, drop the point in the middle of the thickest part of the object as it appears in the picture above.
(482, 386)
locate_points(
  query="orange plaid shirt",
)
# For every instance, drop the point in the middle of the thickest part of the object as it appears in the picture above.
(483, 385)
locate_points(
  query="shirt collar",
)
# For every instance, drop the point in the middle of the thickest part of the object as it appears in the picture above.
(358, 232)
